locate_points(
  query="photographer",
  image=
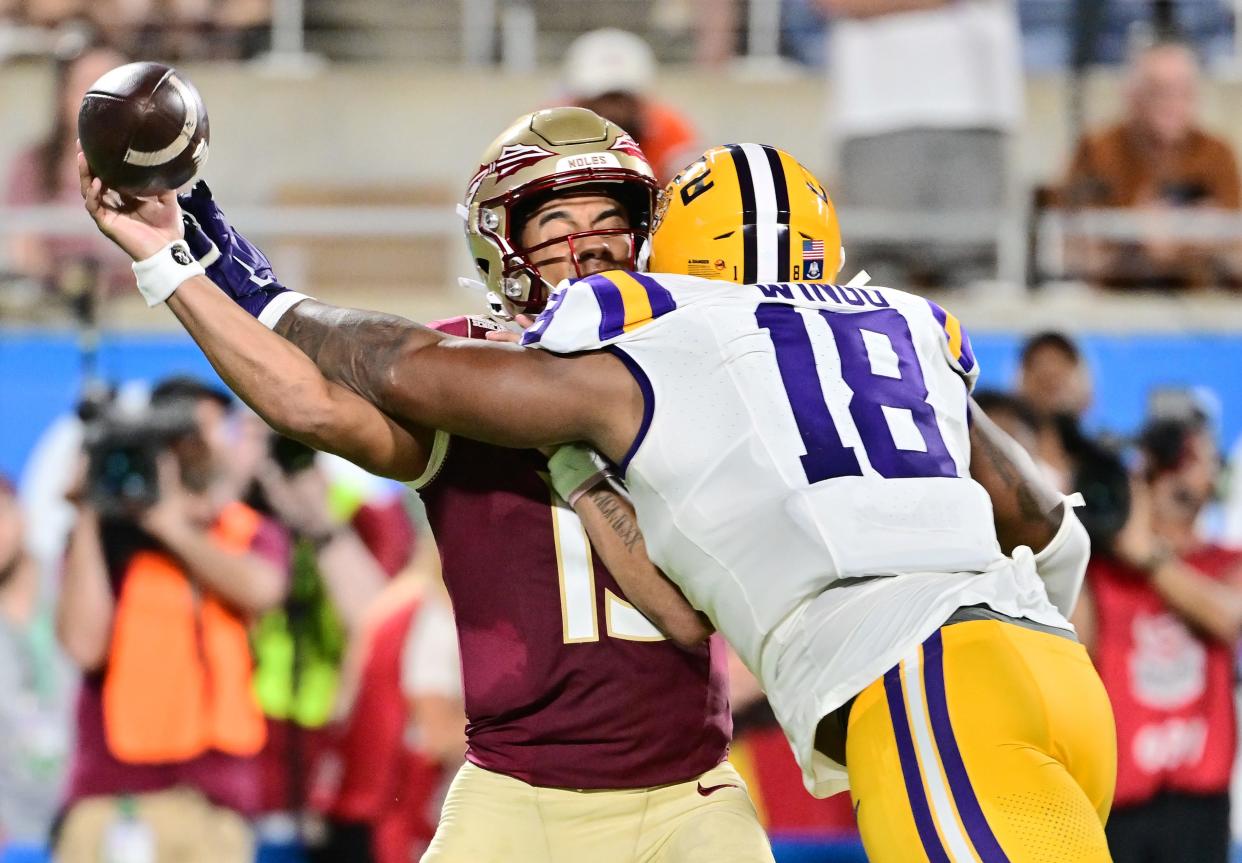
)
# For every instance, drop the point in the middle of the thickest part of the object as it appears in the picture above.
(160, 584)
(1162, 615)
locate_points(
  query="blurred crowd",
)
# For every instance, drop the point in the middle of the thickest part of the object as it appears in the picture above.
(1161, 610)
(176, 30)
(207, 630)
(925, 157)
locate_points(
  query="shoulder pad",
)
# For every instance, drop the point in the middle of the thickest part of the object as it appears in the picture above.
(956, 344)
(599, 310)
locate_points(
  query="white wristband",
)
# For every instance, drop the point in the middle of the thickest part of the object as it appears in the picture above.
(162, 273)
(281, 303)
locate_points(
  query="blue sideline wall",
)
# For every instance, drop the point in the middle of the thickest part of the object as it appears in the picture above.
(40, 372)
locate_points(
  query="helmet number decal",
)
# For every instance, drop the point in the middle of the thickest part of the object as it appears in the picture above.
(696, 187)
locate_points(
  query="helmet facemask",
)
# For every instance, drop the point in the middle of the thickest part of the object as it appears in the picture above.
(524, 286)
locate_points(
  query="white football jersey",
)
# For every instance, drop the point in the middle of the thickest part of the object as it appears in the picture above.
(800, 437)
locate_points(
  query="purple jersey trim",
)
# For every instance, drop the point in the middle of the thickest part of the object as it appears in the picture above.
(611, 306)
(660, 297)
(966, 358)
(973, 819)
(644, 384)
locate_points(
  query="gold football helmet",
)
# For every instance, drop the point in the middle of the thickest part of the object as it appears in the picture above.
(542, 154)
(747, 213)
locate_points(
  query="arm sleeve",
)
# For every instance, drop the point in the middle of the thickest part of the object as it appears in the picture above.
(430, 662)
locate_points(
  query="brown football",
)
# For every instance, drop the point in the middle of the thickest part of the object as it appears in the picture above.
(143, 128)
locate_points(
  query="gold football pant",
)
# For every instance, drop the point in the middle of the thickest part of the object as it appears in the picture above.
(990, 743)
(492, 818)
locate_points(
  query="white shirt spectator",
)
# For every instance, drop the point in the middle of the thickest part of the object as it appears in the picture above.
(954, 67)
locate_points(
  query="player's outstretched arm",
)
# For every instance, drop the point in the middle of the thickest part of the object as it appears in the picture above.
(360, 349)
(271, 375)
(496, 393)
(491, 391)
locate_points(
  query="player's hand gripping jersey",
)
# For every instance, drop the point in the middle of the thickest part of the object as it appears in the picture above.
(800, 438)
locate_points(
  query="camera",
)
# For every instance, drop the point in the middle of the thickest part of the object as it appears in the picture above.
(122, 450)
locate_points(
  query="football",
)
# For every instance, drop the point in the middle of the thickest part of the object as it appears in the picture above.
(143, 129)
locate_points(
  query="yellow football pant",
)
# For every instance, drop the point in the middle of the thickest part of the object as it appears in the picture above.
(990, 743)
(492, 818)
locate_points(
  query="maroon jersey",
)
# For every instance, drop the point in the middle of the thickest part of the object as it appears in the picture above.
(559, 689)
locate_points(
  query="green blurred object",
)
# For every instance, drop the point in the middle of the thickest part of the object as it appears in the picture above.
(299, 648)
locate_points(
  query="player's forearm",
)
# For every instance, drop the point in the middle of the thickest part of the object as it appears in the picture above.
(613, 529)
(268, 373)
(281, 383)
(353, 347)
(1025, 506)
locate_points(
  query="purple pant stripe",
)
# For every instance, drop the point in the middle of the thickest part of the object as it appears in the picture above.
(612, 320)
(910, 770)
(973, 819)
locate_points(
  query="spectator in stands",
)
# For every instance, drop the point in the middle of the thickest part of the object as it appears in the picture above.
(1049, 29)
(1162, 617)
(71, 267)
(611, 72)
(1157, 162)
(1055, 382)
(402, 734)
(33, 707)
(924, 94)
(155, 602)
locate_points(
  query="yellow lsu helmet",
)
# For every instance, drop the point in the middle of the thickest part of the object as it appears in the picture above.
(747, 213)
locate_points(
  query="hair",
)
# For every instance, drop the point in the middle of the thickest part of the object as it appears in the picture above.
(188, 388)
(1164, 441)
(999, 402)
(1163, 36)
(1050, 339)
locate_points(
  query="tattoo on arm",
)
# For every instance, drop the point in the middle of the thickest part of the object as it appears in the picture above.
(352, 347)
(1028, 504)
(618, 517)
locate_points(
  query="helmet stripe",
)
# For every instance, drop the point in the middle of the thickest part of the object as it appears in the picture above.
(767, 208)
(750, 248)
(780, 186)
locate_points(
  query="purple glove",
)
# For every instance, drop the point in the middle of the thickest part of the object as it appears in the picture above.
(236, 265)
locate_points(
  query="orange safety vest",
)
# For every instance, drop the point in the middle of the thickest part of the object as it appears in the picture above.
(179, 665)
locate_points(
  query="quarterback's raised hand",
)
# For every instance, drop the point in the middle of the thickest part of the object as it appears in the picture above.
(235, 264)
(140, 226)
